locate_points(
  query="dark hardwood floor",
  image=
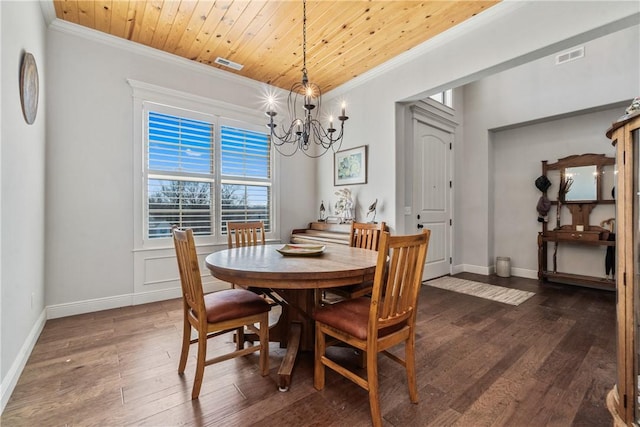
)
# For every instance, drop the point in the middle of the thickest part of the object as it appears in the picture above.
(548, 362)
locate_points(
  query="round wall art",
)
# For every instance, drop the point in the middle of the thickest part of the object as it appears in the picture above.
(29, 87)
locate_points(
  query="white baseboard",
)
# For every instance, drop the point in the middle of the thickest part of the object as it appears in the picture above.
(491, 269)
(88, 306)
(11, 378)
(117, 301)
(477, 269)
(524, 272)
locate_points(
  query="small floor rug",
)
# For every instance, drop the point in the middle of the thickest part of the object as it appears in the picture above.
(481, 290)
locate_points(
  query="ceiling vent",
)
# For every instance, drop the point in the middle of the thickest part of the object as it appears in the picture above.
(227, 63)
(571, 55)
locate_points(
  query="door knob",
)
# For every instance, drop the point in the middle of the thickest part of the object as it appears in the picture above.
(420, 226)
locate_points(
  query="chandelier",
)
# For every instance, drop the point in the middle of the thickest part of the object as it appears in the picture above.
(305, 131)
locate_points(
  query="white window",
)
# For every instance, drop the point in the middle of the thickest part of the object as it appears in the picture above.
(180, 176)
(445, 98)
(200, 170)
(245, 174)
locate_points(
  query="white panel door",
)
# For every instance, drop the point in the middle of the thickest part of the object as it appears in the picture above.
(432, 194)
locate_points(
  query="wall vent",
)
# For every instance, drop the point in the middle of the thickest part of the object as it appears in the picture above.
(227, 63)
(571, 55)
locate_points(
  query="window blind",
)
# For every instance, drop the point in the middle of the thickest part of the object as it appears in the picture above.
(179, 149)
(246, 177)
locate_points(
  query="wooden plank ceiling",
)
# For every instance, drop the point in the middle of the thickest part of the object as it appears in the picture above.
(344, 38)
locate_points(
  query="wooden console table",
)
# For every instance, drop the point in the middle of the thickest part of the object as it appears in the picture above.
(571, 237)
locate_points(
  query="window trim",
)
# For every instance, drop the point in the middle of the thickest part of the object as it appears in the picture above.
(219, 114)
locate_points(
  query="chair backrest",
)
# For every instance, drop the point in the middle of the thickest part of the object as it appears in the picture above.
(245, 234)
(366, 235)
(397, 281)
(190, 278)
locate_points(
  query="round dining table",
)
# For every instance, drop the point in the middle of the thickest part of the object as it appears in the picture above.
(295, 277)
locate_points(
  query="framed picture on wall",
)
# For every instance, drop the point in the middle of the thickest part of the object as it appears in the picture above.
(350, 166)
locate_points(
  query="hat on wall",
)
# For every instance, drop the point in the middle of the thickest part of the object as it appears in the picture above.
(543, 207)
(543, 183)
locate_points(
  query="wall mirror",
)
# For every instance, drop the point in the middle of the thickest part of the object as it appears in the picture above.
(592, 176)
(584, 183)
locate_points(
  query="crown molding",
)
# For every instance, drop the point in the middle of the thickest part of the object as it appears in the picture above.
(143, 50)
(48, 11)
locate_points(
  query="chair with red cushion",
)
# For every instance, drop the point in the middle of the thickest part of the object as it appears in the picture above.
(374, 325)
(216, 313)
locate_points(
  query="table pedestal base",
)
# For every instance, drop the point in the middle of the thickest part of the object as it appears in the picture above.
(286, 367)
(294, 330)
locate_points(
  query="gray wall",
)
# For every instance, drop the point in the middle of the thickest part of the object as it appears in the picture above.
(22, 151)
(534, 93)
(91, 250)
(494, 41)
(498, 39)
(517, 155)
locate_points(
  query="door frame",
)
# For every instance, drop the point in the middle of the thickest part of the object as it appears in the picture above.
(436, 115)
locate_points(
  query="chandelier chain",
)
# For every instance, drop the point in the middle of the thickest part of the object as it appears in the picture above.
(304, 104)
(304, 36)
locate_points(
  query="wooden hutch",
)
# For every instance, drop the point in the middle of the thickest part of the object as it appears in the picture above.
(622, 400)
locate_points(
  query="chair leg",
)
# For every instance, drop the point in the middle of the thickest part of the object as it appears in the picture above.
(363, 358)
(202, 355)
(372, 379)
(410, 363)
(186, 340)
(318, 367)
(240, 338)
(264, 345)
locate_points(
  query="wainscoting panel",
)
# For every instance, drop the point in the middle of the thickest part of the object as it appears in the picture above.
(156, 270)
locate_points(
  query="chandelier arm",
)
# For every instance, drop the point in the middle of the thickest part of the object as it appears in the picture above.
(324, 136)
(320, 135)
(284, 138)
(282, 153)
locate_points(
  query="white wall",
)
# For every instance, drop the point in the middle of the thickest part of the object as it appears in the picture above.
(22, 28)
(500, 38)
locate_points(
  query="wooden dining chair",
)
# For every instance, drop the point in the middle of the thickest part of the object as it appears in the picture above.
(245, 234)
(374, 325)
(241, 234)
(364, 236)
(216, 313)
